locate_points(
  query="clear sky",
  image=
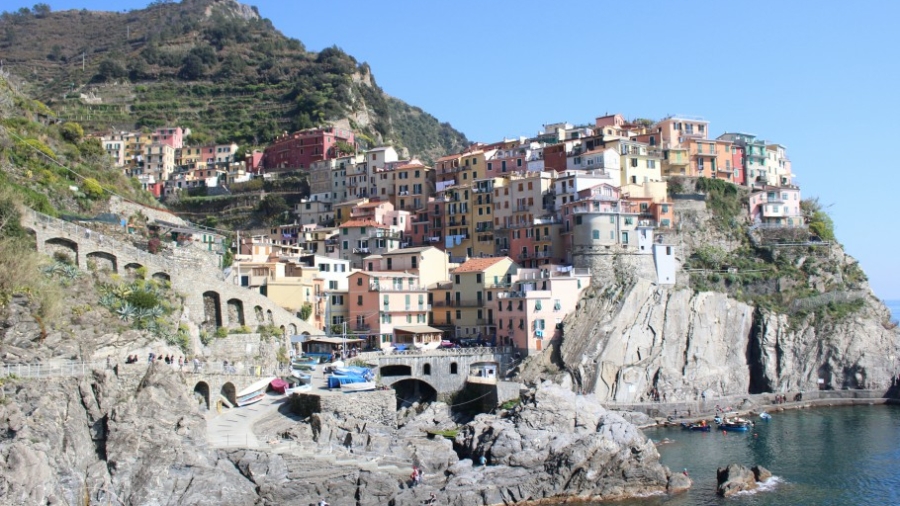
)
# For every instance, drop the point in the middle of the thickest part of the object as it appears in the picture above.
(818, 77)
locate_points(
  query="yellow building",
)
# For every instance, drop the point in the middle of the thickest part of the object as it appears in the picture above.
(413, 184)
(468, 304)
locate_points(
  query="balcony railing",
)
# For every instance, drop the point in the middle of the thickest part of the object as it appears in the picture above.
(379, 287)
(461, 303)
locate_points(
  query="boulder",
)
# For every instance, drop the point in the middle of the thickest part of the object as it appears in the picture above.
(761, 473)
(733, 479)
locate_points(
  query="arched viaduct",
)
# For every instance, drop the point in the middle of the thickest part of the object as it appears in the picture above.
(210, 301)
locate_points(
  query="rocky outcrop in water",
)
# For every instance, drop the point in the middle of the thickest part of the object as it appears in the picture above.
(737, 478)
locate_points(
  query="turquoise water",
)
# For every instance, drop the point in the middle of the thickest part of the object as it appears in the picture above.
(820, 456)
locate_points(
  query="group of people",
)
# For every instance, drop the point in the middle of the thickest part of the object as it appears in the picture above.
(416, 476)
(655, 396)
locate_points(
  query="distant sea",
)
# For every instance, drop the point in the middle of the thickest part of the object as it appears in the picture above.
(894, 306)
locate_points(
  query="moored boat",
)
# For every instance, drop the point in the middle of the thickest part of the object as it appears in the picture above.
(765, 416)
(254, 392)
(702, 426)
(736, 424)
(364, 386)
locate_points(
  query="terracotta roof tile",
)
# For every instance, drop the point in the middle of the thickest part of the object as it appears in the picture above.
(478, 264)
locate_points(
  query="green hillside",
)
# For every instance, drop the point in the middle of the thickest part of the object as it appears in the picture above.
(212, 65)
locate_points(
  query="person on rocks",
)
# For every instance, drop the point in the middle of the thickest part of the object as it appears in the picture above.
(419, 476)
(150, 358)
(196, 364)
(323, 503)
(225, 365)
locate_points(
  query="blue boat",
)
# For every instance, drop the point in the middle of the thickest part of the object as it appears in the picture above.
(698, 427)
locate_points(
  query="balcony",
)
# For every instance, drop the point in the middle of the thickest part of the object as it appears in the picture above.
(378, 287)
(361, 251)
(362, 327)
(461, 303)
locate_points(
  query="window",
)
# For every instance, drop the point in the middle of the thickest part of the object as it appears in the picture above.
(426, 369)
(456, 278)
(537, 305)
(453, 368)
(337, 300)
(359, 280)
(539, 324)
(595, 234)
(458, 314)
(387, 301)
(359, 300)
(332, 285)
(557, 304)
(578, 220)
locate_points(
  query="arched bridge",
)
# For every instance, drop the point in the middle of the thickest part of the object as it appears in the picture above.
(210, 301)
(446, 371)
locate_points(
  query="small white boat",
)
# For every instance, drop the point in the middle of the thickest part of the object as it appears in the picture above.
(765, 416)
(364, 386)
(300, 389)
(254, 392)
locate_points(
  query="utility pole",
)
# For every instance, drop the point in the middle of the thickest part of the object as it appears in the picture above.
(343, 338)
(82, 61)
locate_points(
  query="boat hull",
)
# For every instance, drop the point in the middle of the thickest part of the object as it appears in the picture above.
(734, 427)
(357, 387)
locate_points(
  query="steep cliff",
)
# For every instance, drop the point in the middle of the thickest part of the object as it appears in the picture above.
(753, 311)
(687, 345)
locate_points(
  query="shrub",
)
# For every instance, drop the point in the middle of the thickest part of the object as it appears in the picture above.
(221, 332)
(72, 132)
(92, 189)
(142, 299)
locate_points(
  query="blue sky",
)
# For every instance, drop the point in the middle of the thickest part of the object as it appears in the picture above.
(817, 77)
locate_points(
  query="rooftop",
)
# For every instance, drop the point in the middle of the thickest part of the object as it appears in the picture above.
(478, 264)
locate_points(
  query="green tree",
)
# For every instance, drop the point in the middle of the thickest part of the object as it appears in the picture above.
(72, 132)
(305, 311)
(273, 208)
(192, 69)
(110, 69)
(92, 188)
(41, 10)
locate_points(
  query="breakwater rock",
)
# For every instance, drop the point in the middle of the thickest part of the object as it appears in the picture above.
(737, 478)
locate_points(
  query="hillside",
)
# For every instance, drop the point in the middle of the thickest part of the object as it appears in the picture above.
(212, 65)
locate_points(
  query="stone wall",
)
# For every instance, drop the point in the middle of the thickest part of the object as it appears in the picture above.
(189, 278)
(379, 406)
(244, 351)
(440, 366)
(126, 209)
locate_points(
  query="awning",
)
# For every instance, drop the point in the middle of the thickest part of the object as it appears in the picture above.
(333, 340)
(418, 329)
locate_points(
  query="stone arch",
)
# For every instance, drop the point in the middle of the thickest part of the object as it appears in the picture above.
(426, 369)
(395, 370)
(235, 312)
(162, 276)
(292, 329)
(201, 392)
(103, 260)
(131, 268)
(454, 368)
(62, 246)
(410, 391)
(258, 311)
(269, 319)
(229, 393)
(212, 310)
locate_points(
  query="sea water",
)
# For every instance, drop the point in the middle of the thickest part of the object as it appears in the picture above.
(819, 456)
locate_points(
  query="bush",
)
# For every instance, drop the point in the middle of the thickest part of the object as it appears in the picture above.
(92, 189)
(142, 299)
(221, 332)
(72, 132)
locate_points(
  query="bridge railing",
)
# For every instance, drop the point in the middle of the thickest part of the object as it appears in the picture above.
(63, 369)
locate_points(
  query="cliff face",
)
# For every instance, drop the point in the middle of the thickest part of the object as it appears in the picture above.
(98, 439)
(686, 344)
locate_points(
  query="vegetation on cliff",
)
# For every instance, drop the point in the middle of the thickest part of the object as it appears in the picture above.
(783, 269)
(212, 65)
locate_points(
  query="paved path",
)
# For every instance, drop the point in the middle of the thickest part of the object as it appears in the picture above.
(234, 427)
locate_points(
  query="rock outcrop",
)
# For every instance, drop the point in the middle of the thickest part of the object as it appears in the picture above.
(737, 478)
(74, 441)
(689, 345)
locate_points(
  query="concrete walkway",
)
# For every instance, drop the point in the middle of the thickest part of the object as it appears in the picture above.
(234, 427)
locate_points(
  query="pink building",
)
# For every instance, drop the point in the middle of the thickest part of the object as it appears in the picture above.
(531, 310)
(253, 162)
(776, 206)
(300, 149)
(381, 301)
(173, 137)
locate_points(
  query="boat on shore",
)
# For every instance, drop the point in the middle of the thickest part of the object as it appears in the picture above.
(364, 386)
(254, 392)
(304, 377)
